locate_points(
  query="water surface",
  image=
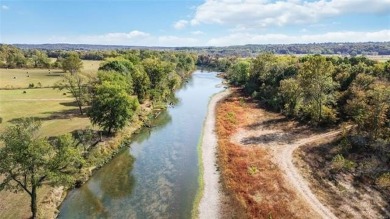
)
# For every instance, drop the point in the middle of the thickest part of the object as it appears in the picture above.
(157, 177)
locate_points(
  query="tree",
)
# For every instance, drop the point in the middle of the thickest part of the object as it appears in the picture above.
(72, 63)
(158, 72)
(78, 86)
(315, 77)
(238, 74)
(141, 83)
(27, 161)
(291, 93)
(369, 107)
(112, 107)
(40, 59)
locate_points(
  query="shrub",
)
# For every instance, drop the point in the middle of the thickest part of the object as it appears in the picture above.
(340, 163)
(384, 180)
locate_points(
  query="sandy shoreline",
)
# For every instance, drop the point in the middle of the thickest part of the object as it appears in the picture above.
(209, 206)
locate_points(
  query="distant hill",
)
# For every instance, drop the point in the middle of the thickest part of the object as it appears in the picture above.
(66, 46)
(365, 48)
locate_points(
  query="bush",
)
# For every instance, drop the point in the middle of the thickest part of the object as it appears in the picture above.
(384, 180)
(340, 163)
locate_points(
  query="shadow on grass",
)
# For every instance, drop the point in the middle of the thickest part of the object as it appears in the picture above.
(64, 114)
(268, 139)
(268, 123)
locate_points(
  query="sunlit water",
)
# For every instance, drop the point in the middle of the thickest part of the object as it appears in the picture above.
(158, 176)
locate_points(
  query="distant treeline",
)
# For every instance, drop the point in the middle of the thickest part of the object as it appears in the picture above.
(352, 49)
(366, 48)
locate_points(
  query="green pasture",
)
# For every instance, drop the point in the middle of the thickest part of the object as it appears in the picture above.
(21, 78)
(57, 111)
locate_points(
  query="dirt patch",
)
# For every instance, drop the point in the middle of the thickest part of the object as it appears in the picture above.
(347, 195)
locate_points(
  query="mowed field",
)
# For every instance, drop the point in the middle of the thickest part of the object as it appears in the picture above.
(21, 78)
(57, 110)
(58, 113)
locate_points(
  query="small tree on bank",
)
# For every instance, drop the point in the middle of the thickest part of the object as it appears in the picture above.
(26, 161)
(112, 107)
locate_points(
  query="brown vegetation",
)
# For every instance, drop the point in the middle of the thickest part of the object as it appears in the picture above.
(249, 174)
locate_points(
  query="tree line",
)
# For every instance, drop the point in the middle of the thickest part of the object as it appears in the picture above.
(111, 100)
(327, 91)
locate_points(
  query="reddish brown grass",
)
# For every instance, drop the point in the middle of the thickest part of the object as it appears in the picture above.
(248, 174)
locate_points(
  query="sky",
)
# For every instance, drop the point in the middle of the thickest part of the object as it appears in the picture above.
(193, 22)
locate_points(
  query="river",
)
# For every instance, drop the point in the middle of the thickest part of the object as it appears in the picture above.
(157, 176)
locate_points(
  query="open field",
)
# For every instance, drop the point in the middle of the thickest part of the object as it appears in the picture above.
(21, 78)
(57, 111)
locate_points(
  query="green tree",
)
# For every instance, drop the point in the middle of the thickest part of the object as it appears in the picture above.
(27, 161)
(238, 74)
(141, 83)
(78, 85)
(112, 107)
(291, 94)
(315, 78)
(40, 59)
(369, 108)
(72, 63)
(158, 72)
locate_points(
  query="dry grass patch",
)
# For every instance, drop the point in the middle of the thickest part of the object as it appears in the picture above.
(250, 177)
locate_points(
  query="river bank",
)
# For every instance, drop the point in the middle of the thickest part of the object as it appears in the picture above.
(157, 176)
(210, 188)
(106, 150)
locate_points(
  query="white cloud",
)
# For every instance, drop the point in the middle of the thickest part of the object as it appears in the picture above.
(180, 24)
(264, 13)
(343, 36)
(4, 7)
(198, 32)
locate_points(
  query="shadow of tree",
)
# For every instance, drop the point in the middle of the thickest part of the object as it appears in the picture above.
(268, 139)
(64, 114)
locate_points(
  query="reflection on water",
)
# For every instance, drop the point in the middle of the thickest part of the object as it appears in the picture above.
(157, 176)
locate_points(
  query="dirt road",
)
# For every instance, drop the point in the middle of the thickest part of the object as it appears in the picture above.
(282, 144)
(283, 157)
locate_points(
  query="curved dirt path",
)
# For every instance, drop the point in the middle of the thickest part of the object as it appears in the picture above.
(209, 206)
(283, 156)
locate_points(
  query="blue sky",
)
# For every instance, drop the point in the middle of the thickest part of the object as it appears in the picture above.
(193, 22)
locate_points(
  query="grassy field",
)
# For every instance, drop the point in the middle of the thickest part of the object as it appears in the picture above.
(21, 78)
(56, 110)
(58, 113)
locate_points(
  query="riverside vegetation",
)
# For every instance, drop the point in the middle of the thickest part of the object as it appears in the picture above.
(132, 86)
(128, 89)
(315, 94)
